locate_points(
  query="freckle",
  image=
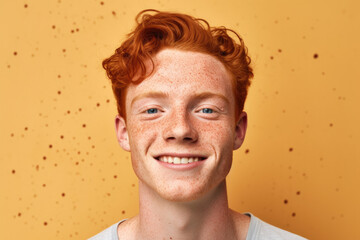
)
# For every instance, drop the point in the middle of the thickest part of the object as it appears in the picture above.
(291, 149)
(133, 185)
(13, 171)
(45, 223)
(107, 100)
(92, 146)
(50, 146)
(77, 29)
(59, 76)
(330, 124)
(61, 136)
(53, 26)
(68, 112)
(72, 31)
(12, 135)
(37, 167)
(271, 57)
(285, 201)
(98, 104)
(78, 152)
(316, 55)
(115, 176)
(44, 157)
(25, 6)
(298, 193)
(279, 50)
(123, 211)
(247, 151)
(59, 92)
(55, 164)
(114, 13)
(63, 194)
(64, 50)
(44, 185)
(89, 137)
(19, 214)
(293, 214)
(102, 3)
(15, 53)
(80, 109)
(25, 128)
(84, 125)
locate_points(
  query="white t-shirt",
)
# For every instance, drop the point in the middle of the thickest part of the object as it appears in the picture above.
(258, 230)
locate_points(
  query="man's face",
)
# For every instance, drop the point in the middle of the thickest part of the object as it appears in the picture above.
(184, 112)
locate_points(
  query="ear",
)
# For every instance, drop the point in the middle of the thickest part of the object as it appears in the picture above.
(240, 130)
(122, 133)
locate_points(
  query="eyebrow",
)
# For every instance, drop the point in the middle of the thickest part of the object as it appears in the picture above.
(200, 96)
(149, 95)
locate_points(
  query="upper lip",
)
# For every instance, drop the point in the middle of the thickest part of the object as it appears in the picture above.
(180, 155)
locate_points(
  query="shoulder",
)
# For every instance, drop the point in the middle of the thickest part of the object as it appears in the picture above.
(109, 233)
(260, 230)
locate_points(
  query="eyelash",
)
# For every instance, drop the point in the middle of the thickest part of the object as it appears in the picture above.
(156, 109)
(147, 110)
(212, 110)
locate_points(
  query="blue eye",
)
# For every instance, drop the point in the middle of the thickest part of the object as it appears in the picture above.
(152, 110)
(207, 110)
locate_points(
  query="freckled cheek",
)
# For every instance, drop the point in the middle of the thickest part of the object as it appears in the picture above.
(217, 132)
(140, 134)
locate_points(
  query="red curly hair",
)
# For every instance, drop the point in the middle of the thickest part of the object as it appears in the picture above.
(178, 31)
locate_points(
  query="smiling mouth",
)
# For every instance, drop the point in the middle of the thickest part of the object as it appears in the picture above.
(179, 160)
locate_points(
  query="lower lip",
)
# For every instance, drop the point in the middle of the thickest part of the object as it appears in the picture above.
(186, 166)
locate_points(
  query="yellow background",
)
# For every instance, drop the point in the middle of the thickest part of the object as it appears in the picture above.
(62, 173)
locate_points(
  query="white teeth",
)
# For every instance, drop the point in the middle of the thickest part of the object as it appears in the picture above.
(177, 160)
(184, 160)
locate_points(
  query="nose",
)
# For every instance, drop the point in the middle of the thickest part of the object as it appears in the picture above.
(179, 128)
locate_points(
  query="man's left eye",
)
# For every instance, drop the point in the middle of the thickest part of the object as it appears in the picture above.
(207, 110)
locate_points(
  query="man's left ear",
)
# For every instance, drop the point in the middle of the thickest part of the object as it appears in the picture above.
(240, 130)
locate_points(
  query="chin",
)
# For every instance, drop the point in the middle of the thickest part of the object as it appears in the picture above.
(184, 193)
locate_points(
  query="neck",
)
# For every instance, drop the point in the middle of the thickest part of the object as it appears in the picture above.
(205, 218)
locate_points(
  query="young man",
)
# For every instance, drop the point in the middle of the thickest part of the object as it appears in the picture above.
(180, 87)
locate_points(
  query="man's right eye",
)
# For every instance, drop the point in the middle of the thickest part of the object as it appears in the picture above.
(152, 110)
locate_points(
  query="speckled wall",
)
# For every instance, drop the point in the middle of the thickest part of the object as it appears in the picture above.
(62, 173)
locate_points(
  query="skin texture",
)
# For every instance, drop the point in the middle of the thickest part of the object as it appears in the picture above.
(185, 108)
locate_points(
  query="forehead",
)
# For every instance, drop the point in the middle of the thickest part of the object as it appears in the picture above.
(183, 72)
